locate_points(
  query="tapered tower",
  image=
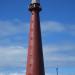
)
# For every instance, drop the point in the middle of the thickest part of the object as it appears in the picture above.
(35, 63)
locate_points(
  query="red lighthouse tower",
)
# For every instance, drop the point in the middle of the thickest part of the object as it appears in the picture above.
(35, 63)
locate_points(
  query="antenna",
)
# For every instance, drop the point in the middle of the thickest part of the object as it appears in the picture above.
(57, 70)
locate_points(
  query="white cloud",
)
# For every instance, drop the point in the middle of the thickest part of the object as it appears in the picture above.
(58, 47)
(53, 55)
(23, 73)
(13, 32)
(16, 55)
(52, 26)
(16, 27)
(47, 73)
(12, 56)
(11, 27)
(16, 73)
(62, 55)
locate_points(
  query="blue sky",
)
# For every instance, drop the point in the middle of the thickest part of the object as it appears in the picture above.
(58, 36)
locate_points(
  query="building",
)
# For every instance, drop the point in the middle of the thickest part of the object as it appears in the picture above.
(35, 62)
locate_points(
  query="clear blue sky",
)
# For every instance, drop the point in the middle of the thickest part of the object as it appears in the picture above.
(58, 36)
(56, 10)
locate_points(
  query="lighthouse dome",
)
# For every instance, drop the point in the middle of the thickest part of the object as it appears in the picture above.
(35, 1)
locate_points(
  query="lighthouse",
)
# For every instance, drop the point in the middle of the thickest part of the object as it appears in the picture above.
(35, 62)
